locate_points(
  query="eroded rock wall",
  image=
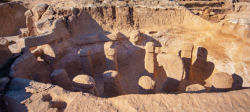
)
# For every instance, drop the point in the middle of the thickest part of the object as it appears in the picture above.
(12, 18)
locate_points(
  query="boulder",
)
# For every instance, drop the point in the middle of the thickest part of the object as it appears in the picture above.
(60, 78)
(174, 68)
(85, 83)
(221, 80)
(84, 79)
(195, 88)
(172, 65)
(146, 83)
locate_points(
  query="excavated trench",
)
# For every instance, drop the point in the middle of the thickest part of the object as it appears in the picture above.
(126, 49)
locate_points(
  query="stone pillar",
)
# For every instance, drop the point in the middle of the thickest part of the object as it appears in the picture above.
(173, 66)
(186, 56)
(136, 37)
(111, 56)
(150, 57)
(111, 75)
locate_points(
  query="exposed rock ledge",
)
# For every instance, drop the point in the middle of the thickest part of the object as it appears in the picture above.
(52, 98)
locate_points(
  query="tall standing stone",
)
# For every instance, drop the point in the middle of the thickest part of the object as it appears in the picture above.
(111, 56)
(150, 57)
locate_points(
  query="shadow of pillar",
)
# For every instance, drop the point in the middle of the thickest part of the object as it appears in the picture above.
(238, 81)
(111, 76)
(187, 66)
(201, 69)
